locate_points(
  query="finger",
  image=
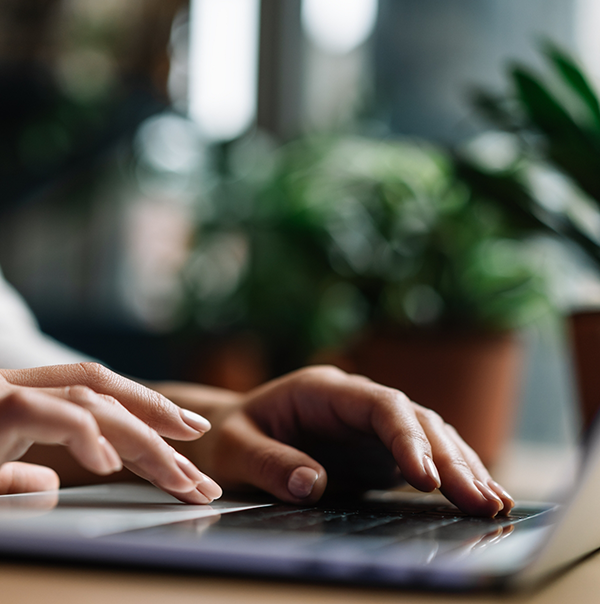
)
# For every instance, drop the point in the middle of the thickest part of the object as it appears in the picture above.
(325, 396)
(148, 405)
(28, 415)
(248, 457)
(481, 472)
(140, 447)
(459, 482)
(193, 497)
(17, 477)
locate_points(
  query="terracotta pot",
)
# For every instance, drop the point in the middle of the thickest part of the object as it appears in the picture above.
(471, 380)
(584, 328)
(236, 363)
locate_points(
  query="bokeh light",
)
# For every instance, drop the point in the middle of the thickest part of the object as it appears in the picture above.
(223, 66)
(339, 26)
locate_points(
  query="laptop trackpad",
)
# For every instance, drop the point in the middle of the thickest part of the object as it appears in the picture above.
(95, 511)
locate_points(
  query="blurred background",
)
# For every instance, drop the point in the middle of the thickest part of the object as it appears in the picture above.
(139, 138)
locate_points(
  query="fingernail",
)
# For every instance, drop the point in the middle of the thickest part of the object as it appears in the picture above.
(195, 421)
(432, 471)
(210, 489)
(301, 482)
(200, 497)
(488, 493)
(113, 460)
(194, 497)
(204, 485)
(502, 493)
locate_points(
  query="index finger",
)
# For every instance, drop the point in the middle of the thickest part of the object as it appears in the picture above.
(151, 407)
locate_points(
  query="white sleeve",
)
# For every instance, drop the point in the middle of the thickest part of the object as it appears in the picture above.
(22, 344)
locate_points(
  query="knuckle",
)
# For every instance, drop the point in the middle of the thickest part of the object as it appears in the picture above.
(90, 400)
(150, 448)
(268, 461)
(391, 399)
(458, 464)
(110, 400)
(157, 409)
(14, 407)
(323, 372)
(80, 393)
(431, 417)
(408, 439)
(417, 436)
(360, 378)
(95, 373)
(83, 421)
(82, 426)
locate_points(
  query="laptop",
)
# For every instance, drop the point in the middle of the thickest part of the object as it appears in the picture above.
(389, 538)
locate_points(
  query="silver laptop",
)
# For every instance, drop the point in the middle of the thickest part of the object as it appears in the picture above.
(393, 538)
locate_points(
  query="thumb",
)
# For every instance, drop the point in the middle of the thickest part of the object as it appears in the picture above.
(254, 458)
(19, 477)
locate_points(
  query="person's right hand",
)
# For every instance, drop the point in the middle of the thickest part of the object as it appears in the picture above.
(317, 426)
(105, 420)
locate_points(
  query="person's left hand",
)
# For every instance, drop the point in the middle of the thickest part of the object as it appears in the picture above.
(294, 434)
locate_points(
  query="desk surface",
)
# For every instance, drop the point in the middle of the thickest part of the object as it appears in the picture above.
(38, 584)
(29, 584)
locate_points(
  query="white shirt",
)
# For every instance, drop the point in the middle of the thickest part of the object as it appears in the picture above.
(22, 344)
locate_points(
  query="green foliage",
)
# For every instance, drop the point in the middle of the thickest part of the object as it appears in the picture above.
(326, 235)
(556, 119)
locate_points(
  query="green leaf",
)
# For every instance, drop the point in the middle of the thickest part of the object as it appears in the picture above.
(526, 211)
(581, 164)
(510, 193)
(572, 149)
(573, 76)
(543, 109)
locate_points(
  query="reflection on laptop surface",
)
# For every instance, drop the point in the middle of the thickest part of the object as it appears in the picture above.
(401, 539)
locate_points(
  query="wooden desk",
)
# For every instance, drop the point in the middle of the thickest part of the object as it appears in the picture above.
(29, 584)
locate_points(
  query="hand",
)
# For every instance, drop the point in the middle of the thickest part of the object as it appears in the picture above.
(292, 435)
(105, 420)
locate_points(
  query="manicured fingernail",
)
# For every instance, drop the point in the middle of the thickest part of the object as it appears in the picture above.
(195, 421)
(302, 481)
(432, 471)
(113, 460)
(487, 493)
(194, 497)
(205, 485)
(503, 494)
(200, 497)
(209, 488)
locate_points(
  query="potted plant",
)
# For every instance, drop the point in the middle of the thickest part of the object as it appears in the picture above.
(372, 255)
(552, 184)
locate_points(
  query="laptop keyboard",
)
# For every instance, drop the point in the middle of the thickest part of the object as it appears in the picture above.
(385, 524)
(396, 523)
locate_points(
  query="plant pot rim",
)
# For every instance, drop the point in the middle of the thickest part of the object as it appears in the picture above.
(589, 311)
